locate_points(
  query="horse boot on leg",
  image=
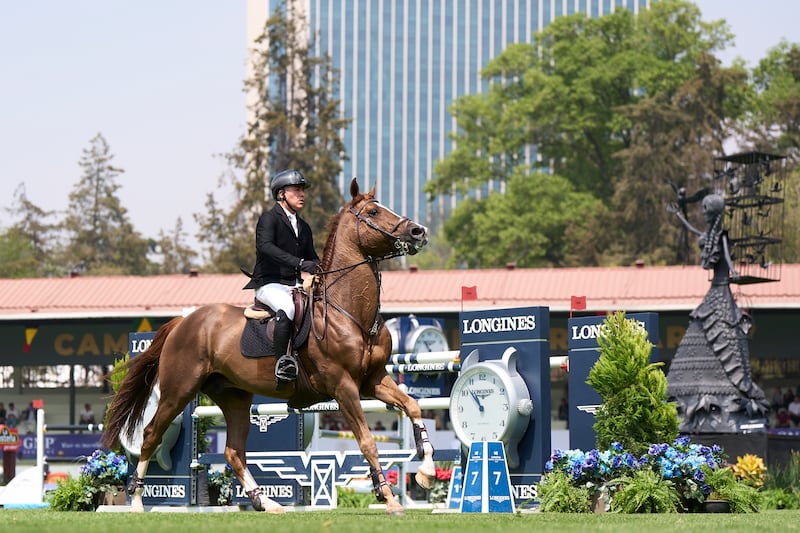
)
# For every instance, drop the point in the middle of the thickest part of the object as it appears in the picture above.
(286, 365)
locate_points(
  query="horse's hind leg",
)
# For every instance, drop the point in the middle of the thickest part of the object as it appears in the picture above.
(235, 405)
(388, 392)
(169, 406)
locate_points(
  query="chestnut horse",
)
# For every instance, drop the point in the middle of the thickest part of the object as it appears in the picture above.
(344, 358)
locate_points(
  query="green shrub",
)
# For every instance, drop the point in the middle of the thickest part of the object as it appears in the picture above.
(75, 494)
(780, 499)
(782, 485)
(645, 491)
(786, 477)
(634, 409)
(558, 494)
(351, 499)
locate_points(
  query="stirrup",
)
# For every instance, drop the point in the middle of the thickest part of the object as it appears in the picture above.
(286, 368)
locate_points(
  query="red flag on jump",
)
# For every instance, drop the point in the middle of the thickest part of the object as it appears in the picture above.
(469, 293)
(577, 303)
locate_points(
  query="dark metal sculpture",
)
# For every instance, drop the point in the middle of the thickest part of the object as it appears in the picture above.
(710, 376)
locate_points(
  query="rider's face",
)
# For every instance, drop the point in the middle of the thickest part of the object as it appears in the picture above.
(294, 196)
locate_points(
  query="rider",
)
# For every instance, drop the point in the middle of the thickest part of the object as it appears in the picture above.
(284, 249)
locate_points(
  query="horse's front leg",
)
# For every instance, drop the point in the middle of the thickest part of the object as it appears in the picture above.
(350, 406)
(388, 392)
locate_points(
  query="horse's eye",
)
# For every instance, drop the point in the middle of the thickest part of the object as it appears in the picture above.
(373, 212)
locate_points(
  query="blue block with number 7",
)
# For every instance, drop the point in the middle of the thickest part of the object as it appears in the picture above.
(487, 484)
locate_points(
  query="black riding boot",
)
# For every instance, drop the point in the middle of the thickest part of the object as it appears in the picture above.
(286, 366)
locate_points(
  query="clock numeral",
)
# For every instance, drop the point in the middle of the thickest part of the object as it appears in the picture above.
(463, 425)
(482, 376)
(460, 408)
(504, 407)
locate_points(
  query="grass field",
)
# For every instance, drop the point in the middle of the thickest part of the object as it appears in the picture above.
(374, 521)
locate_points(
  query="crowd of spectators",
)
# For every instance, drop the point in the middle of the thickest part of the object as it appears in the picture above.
(24, 421)
(786, 406)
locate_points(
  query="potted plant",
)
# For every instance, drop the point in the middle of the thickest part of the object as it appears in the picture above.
(108, 471)
(220, 485)
(101, 481)
(724, 487)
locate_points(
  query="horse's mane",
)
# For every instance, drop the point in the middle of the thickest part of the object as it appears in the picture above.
(333, 225)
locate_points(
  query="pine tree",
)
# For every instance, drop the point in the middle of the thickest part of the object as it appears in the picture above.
(176, 256)
(30, 245)
(295, 124)
(102, 240)
(635, 411)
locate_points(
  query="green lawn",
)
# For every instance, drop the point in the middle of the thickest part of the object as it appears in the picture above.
(374, 521)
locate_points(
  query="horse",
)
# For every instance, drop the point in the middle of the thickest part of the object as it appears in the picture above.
(344, 358)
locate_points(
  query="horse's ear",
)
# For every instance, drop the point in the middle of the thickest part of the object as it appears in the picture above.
(354, 187)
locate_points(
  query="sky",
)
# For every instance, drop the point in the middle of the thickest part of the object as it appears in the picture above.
(162, 81)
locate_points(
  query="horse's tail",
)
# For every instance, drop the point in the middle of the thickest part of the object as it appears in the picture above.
(127, 407)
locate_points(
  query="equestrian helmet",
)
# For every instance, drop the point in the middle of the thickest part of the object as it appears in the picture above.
(285, 178)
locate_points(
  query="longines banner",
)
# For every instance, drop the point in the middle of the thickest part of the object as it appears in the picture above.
(69, 342)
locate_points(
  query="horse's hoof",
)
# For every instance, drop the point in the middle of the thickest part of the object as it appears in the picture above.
(395, 510)
(424, 480)
(137, 508)
(275, 510)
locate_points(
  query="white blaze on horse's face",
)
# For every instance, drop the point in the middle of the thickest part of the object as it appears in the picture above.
(390, 229)
(413, 236)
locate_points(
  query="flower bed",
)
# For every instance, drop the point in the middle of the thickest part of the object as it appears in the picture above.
(668, 477)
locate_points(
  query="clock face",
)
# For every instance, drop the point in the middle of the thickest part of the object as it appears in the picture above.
(480, 407)
(428, 339)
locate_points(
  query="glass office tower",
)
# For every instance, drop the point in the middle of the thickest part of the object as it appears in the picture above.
(401, 64)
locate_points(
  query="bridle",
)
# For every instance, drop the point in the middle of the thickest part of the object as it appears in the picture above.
(400, 248)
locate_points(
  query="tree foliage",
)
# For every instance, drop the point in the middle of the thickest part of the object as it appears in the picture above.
(176, 256)
(101, 238)
(626, 109)
(774, 127)
(540, 221)
(295, 124)
(30, 245)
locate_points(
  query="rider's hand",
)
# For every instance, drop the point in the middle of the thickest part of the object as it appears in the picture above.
(309, 266)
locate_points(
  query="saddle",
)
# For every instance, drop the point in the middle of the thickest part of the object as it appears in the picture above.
(257, 335)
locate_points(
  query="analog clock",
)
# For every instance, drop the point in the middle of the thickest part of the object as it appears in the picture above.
(490, 402)
(426, 338)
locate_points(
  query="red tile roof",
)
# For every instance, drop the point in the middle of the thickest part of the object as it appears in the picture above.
(419, 291)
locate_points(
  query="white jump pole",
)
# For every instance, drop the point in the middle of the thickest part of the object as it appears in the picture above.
(369, 406)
